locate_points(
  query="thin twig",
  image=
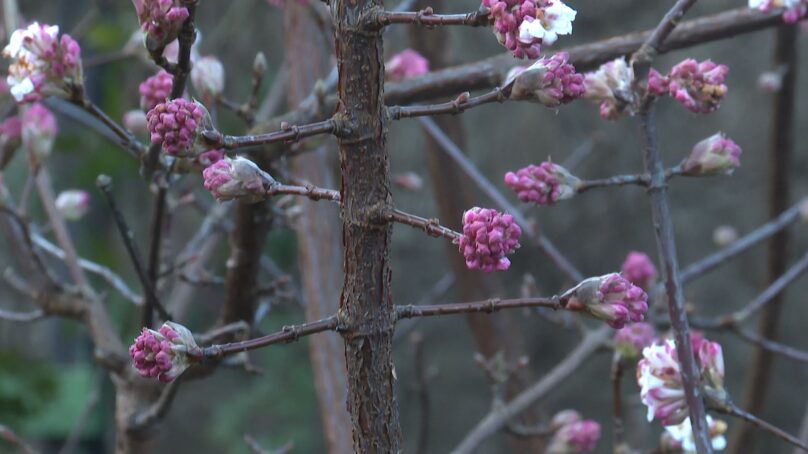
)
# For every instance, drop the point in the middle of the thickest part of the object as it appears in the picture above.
(728, 408)
(428, 18)
(8, 435)
(158, 409)
(288, 133)
(438, 290)
(22, 317)
(127, 140)
(155, 243)
(772, 346)
(488, 306)
(618, 180)
(456, 106)
(105, 184)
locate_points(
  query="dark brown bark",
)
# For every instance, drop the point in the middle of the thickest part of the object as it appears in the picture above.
(319, 248)
(492, 333)
(780, 156)
(366, 302)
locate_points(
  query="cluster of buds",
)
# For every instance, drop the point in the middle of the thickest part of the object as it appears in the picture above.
(155, 89)
(10, 137)
(573, 434)
(161, 21)
(660, 379)
(699, 87)
(207, 77)
(549, 81)
(523, 26)
(632, 339)
(611, 298)
(543, 184)
(177, 125)
(639, 269)
(43, 64)
(163, 354)
(405, 64)
(237, 178)
(39, 131)
(715, 155)
(680, 437)
(793, 12)
(73, 204)
(610, 88)
(488, 236)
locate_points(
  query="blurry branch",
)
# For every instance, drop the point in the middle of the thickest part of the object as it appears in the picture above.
(772, 346)
(23, 317)
(105, 273)
(428, 18)
(246, 110)
(256, 448)
(528, 228)
(157, 409)
(81, 423)
(13, 439)
(104, 183)
(727, 407)
(498, 418)
(712, 261)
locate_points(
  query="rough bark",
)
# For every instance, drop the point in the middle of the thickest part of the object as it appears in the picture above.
(492, 332)
(780, 155)
(319, 247)
(366, 302)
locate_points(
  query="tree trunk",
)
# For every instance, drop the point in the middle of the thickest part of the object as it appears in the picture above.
(366, 302)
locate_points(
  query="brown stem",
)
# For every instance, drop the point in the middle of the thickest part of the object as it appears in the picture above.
(728, 408)
(155, 241)
(487, 306)
(617, 403)
(651, 46)
(288, 133)
(458, 105)
(127, 140)
(432, 227)
(428, 18)
(618, 180)
(781, 149)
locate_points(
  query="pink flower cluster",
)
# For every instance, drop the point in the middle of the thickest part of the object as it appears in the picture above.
(39, 130)
(237, 178)
(632, 339)
(43, 64)
(660, 379)
(543, 184)
(699, 87)
(550, 81)
(161, 20)
(793, 12)
(523, 26)
(639, 269)
(175, 125)
(163, 354)
(573, 434)
(10, 135)
(715, 155)
(611, 298)
(488, 236)
(405, 64)
(155, 89)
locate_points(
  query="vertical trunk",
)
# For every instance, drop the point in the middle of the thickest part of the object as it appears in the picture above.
(492, 332)
(780, 152)
(366, 302)
(319, 248)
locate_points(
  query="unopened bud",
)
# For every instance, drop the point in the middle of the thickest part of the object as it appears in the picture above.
(259, 65)
(543, 184)
(237, 178)
(410, 181)
(715, 155)
(135, 121)
(39, 131)
(177, 125)
(207, 77)
(73, 204)
(724, 235)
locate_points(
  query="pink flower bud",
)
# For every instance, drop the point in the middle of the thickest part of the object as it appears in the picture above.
(724, 235)
(488, 236)
(405, 64)
(543, 184)
(549, 81)
(715, 155)
(10, 136)
(73, 204)
(770, 81)
(176, 125)
(611, 298)
(155, 89)
(210, 157)
(699, 87)
(237, 178)
(657, 83)
(39, 131)
(573, 435)
(639, 269)
(632, 339)
(43, 64)
(163, 354)
(610, 87)
(410, 181)
(207, 76)
(793, 11)
(135, 121)
(161, 20)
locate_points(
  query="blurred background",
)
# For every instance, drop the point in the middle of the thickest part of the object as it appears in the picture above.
(46, 369)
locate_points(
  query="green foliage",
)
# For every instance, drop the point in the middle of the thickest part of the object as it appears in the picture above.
(26, 386)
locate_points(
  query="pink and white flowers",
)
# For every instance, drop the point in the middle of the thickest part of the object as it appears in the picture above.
(680, 436)
(660, 379)
(43, 64)
(573, 434)
(610, 87)
(488, 236)
(405, 64)
(207, 77)
(237, 178)
(699, 87)
(163, 354)
(793, 12)
(639, 269)
(611, 298)
(176, 125)
(73, 204)
(715, 155)
(161, 20)
(549, 81)
(632, 339)
(523, 26)
(543, 184)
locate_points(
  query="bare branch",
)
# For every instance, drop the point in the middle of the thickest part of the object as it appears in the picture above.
(23, 317)
(8, 435)
(288, 133)
(428, 18)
